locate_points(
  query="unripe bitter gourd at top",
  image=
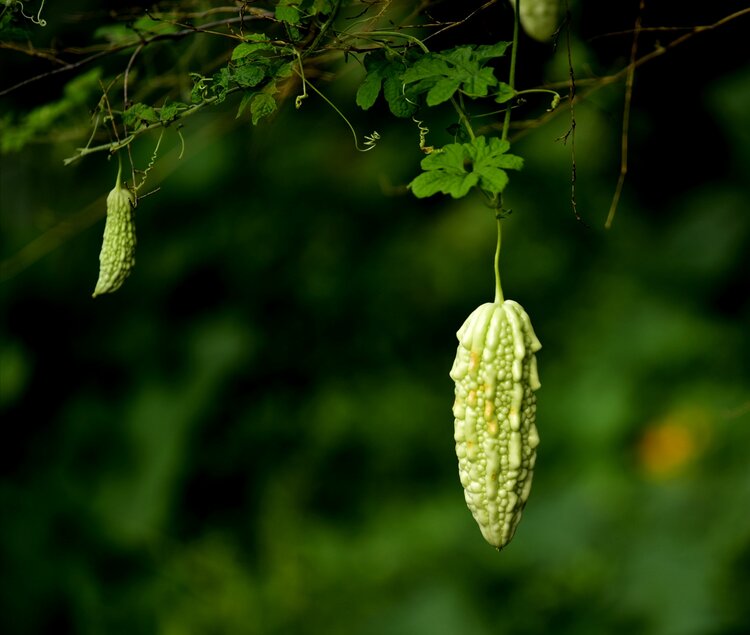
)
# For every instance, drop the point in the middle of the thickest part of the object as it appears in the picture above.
(495, 410)
(540, 19)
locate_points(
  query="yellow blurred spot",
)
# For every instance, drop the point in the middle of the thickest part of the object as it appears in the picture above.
(666, 447)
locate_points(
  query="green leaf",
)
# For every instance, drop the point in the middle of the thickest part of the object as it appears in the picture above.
(288, 11)
(461, 68)
(220, 84)
(504, 93)
(490, 51)
(384, 74)
(457, 167)
(369, 89)
(443, 90)
(317, 6)
(246, 97)
(262, 105)
(429, 183)
(147, 24)
(248, 75)
(282, 70)
(245, 49)
(401, 102)
(138, 115)
(168, 112)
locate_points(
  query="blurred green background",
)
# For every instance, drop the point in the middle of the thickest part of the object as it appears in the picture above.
(254, 435)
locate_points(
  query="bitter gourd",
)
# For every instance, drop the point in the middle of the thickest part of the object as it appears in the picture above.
(495, 410)
(539, 18)
(117, 257)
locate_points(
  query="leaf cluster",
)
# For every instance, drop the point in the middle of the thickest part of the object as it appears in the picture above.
(457, 167)
(39, 121)
(437, 76)
(140, 115)
(11, 28)
(413, 79)
(255, 67)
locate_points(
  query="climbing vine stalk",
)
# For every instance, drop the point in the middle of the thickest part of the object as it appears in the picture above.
(512, 74)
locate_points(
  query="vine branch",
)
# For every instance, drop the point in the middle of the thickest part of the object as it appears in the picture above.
(626, 119)
(142, 42)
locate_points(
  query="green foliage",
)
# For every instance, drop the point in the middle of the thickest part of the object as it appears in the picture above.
(457, 167)
(293, 11)
(11, 27)
(139, 115)
(463, 68)
(248, 75)
(141, 28)
(43, 119)
(439, 74)
(170, 111)
(289, 11)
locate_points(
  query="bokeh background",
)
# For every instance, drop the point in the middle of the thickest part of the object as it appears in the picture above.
(254, 435)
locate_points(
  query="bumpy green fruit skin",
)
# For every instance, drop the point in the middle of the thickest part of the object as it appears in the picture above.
(495, 411)
(117, 257)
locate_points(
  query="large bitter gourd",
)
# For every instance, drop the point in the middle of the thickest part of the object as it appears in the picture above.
(495, 410)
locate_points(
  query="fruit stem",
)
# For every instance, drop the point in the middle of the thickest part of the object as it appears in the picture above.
(119, 172)
(498, 287)
(506, 127)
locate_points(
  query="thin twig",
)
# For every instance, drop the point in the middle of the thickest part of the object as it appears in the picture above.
(571, 134)
(595, 84)
(31, 52)
(452, 25)
(626, 118)
(126, 105)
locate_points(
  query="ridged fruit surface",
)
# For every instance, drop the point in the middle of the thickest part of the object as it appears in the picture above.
(495, 412)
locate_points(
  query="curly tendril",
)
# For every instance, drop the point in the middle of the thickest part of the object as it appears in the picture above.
(34, 19)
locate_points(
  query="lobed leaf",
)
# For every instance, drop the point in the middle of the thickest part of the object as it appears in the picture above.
(457, 167)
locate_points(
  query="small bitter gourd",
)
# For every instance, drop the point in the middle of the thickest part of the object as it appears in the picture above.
(117, 257)
(495, 410)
